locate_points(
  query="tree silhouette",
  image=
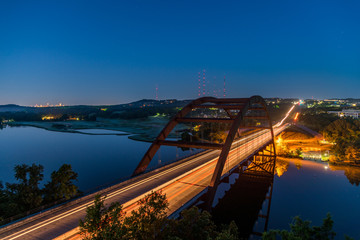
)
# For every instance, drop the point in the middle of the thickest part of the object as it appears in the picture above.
(102, 223)
(301, 229)
(61, 185)
(26, 194)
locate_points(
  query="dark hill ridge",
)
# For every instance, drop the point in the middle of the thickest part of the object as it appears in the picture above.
(134, 110)
(140, 103)
(13, 108)
(139, 109)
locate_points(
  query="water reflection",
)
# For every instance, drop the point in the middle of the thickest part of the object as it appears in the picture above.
(281, 167)
(243, 203)
(248, 200)
(298, 163)
(351, 173)
(108, 157)
(313, 191)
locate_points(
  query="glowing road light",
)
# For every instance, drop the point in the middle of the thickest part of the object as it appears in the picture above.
(326, 167)
(296, 116)
(286, 116)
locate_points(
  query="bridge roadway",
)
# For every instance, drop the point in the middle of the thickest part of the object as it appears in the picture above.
(180, 181)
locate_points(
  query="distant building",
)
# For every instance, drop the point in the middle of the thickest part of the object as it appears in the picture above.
(347, 113)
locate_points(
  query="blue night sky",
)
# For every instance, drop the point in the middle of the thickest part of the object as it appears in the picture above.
(109, 52)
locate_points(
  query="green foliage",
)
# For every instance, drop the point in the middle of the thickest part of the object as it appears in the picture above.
(316, 120)
(61, 185)
(229, 232)
(214, 132)
(193, 225)
(147, 221)
(25, 195)
(103, 223)
(150, 221)
(302, 230)
(345, 133)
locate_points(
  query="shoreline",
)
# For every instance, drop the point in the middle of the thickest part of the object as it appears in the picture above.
(144, 130)
(295, 139)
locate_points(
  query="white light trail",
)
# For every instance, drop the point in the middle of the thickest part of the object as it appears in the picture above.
(287, 115)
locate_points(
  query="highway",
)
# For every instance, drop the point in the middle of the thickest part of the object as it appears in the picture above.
(180, 181)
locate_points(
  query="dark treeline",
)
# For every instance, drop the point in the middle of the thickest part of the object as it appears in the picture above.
(140, 112)
(317, 118)
(278, 110)
(20, 116)
(26, 194)
(209, 132)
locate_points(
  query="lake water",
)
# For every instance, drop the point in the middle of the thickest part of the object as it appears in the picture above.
(304, 188)
(98, 159)
(311, 190)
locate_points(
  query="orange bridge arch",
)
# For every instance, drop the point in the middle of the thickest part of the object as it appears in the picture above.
(238, 111)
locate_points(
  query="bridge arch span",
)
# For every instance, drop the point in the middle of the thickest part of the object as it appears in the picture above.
(239, 111)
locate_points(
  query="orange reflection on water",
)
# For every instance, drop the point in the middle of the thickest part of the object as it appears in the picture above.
(352, 173)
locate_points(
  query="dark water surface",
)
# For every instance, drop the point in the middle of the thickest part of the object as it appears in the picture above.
(311, 190)
(300, 188)
(98, 159)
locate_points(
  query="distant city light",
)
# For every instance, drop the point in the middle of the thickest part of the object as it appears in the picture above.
(50, 105)
(47, 118)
